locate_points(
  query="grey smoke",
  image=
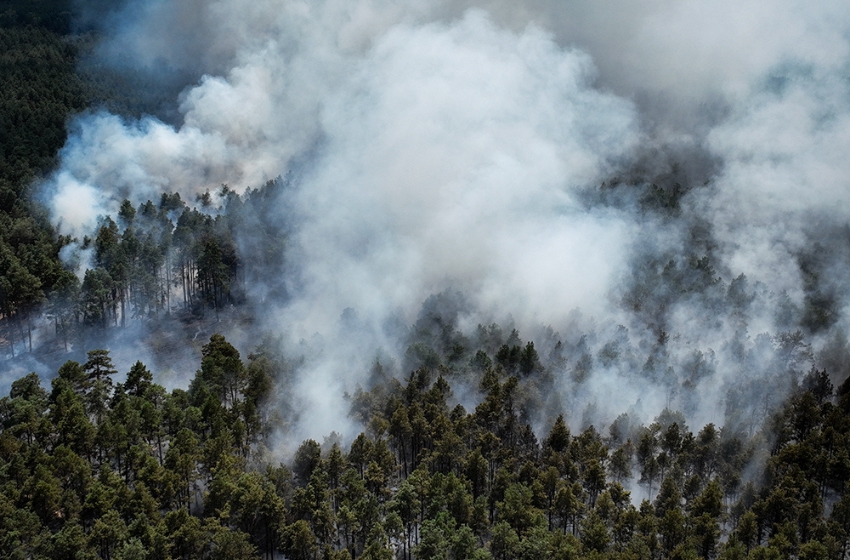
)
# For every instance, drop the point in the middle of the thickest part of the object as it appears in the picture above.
(460, 146)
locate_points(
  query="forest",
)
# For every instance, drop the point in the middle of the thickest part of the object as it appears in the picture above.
(92, 468)
(472, 441)
(158, 245)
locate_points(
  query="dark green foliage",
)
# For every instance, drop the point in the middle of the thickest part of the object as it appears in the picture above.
(140, 261)
(98, 469)
(307, 458)
(141, 254)
(40, 92)
(129, 470)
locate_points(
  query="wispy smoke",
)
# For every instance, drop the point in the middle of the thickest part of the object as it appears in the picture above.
(442, 146)
(783, 151)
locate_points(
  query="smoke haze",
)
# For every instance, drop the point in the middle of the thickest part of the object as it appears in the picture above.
(442, 147)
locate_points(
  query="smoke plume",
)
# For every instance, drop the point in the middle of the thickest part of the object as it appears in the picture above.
(607, 171)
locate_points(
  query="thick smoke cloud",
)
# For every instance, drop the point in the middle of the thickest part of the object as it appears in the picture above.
(427, 180)
(460, 146)
(783, 151)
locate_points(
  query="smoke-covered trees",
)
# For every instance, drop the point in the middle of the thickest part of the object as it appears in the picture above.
(122, 469)
(40, 91)
(44, 85)
(149, 261)
(20, 293)
(110, 479)
(137, 268)
(96, 468)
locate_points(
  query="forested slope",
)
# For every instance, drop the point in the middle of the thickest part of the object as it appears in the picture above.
(46, 80)
(40, 91)
(90, 468)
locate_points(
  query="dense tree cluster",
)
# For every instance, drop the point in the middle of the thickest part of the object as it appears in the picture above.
(154, 249)
(40, 91)
(91, 468)
(98, 469)
(94, 468)
(139, 262)
(152, 259)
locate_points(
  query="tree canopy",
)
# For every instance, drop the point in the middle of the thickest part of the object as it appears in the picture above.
(129, 470)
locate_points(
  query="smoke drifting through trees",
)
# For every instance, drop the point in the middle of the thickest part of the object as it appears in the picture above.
(435, 149)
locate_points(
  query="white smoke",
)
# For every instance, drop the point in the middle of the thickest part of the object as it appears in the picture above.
(429, 180)
(446, 148)
(784, 152)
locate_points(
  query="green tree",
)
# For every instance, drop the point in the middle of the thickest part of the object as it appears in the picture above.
(517, 509)
(222, 373)
(96, 295)
(20, 292)
(228, 544)
(181, 459)
(99, 368)
(307, 458)
(299, 542)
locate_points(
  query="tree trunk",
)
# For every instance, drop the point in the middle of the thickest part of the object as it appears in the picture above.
(21, 333)
(167, 285)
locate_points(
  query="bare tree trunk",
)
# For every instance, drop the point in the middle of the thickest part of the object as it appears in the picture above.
(11, 337)
(183, 283)
(168, 283)
(19, 321)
